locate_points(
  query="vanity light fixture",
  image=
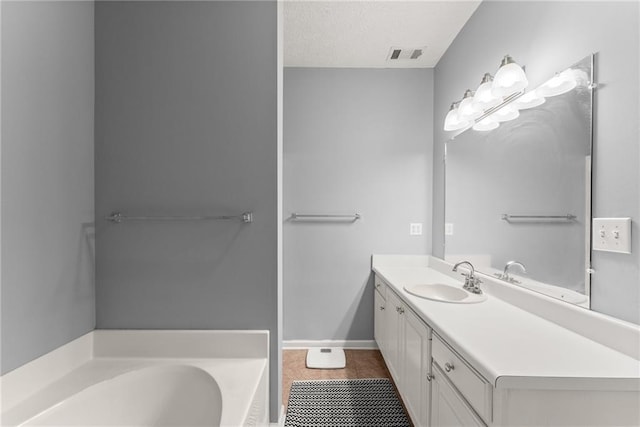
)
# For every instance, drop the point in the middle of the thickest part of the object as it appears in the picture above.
(468, 110)
(509, 78)
(484, 97)
(453, 121)
(488, 105)
(486, 124)
(530, 99)
(559, 84)
(505, 114)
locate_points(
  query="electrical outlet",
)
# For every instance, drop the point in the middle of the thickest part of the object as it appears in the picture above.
(415, 229)
(448, 229)
(612, 235)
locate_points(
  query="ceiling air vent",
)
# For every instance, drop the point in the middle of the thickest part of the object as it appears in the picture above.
(405, 53)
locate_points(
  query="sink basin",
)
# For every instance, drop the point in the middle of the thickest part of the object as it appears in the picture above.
(444, 293)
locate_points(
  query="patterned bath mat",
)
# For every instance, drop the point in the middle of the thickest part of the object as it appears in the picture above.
(348, 403)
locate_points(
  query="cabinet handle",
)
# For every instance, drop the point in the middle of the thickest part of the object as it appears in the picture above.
(378, 285)
(448, 367)
(430, 377)
(400, 310)
(382, 307)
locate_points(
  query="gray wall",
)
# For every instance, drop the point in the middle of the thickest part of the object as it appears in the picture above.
(186, 125)
(355, 140)
(547, 37)
(47, 177)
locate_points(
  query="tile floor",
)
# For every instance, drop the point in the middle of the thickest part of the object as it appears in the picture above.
(360, 364)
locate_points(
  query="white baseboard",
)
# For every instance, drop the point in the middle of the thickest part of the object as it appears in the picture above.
(346, 344)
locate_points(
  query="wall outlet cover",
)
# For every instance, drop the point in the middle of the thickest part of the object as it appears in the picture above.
(448, 229)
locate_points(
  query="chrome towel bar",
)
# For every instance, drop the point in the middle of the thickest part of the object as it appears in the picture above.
(352, 217)
(538, 218)
(118, 217)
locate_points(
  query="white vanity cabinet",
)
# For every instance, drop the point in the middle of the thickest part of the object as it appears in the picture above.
(379, 325)
(442, 390)
(393, 330)
(453, 378)
(405, 342)
(448, 408)
(416, 368)
(501, 362)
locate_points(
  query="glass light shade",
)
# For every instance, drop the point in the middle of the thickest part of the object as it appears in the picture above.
(467, 110)
(453, 121)
(581, 77)
(529, 100)
(509, 79)
(486, 124)
(505, 114)
(484, 98)
(558, 84)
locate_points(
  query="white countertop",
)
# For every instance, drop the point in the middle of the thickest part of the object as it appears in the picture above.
(511, 347)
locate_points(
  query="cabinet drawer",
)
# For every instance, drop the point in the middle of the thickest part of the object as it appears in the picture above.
(448, 407)
(380, 286)
(472, 387)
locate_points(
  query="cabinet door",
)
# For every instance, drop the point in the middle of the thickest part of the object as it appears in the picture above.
(393, 330)
(416, 363)
(448, 408)
(379, 329)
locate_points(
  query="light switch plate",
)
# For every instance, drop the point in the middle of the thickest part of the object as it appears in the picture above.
(612, 235)
(415, 229)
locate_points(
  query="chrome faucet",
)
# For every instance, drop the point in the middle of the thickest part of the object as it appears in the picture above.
(505, 274)
(471, 282)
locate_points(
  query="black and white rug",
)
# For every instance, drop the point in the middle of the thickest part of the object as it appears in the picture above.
(352, 403)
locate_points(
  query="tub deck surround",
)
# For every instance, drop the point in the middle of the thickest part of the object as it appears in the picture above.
(236, 360)
(511, 345)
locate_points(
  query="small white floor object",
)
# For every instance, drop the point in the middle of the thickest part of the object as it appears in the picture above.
(326, 358)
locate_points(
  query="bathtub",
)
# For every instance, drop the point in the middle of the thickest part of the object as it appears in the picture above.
(144, 378)
(174, 395)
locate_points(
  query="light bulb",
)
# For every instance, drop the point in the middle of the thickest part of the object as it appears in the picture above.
(467, 109)
(484, 98)
(509, 78)
(453, 121)
(558, 84)
(529, 100)
(486, 124)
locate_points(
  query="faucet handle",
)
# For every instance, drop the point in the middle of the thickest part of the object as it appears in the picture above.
(467, 278)
(474, 285)
(469, 282)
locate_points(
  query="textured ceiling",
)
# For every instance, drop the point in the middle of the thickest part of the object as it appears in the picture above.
(342, 33)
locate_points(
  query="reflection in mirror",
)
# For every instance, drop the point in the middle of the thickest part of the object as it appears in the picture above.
(521, 191)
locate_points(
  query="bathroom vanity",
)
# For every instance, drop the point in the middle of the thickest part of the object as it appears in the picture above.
(514, 358)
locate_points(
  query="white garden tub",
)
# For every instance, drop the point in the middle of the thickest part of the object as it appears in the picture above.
(144, 378)
(174, 395)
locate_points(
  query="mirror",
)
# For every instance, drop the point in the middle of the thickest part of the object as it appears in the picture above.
(522, 192)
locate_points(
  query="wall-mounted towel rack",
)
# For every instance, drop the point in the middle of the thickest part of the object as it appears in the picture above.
(538, 218)
(319, 217)
(118, 217)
